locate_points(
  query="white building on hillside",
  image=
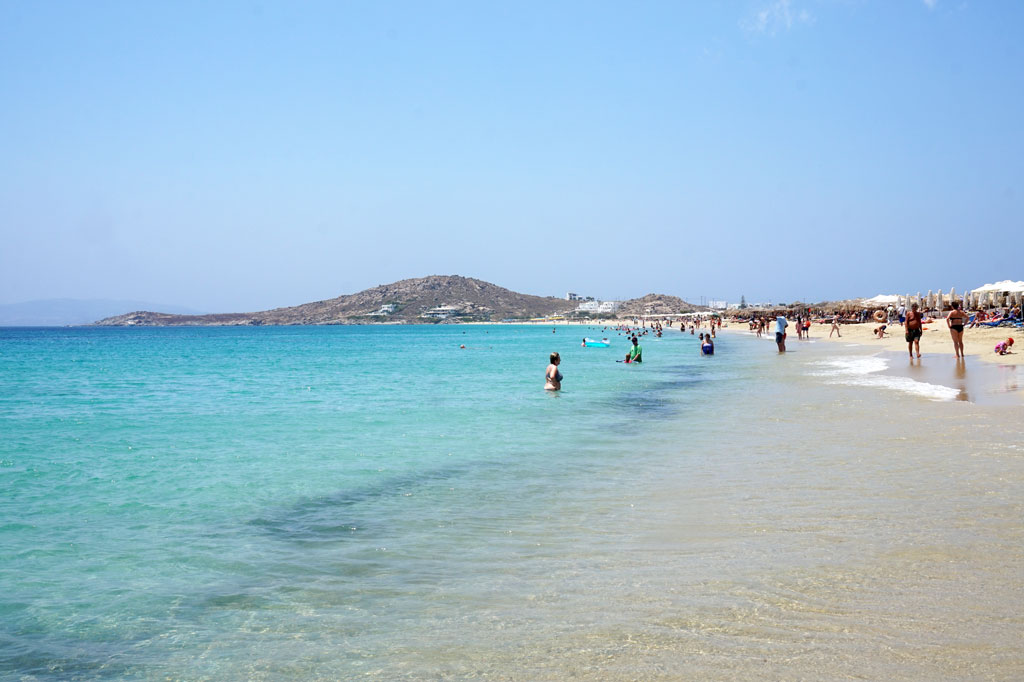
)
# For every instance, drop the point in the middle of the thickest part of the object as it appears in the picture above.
(441, 312)
(598, 306)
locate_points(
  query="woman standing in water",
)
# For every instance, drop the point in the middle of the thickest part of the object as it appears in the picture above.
(553, 378)
(956, 321)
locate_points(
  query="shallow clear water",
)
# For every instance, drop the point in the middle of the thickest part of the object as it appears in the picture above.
(333, 502)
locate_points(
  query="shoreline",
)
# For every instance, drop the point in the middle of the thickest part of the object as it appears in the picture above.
(978, 342)
(981, 378)
(936, 340)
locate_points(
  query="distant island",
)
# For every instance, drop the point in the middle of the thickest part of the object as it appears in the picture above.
(424, 300)
(60, 312)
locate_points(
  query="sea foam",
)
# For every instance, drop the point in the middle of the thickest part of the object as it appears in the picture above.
(853, 370)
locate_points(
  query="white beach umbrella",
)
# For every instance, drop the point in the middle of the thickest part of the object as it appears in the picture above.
(938, 299)
(1005, 285)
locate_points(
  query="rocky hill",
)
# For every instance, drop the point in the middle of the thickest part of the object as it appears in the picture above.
(426, 299)
(655, 304)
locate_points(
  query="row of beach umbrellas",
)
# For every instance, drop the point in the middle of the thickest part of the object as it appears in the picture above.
(989, 296)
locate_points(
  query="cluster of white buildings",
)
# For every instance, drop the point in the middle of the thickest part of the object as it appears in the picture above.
(598, 306)
(441, 312)
(587, 304)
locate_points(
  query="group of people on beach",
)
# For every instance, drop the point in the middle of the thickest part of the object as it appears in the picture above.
(957, 320)
(912, 321)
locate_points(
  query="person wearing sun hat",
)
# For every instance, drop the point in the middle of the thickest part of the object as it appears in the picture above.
(1004, 347)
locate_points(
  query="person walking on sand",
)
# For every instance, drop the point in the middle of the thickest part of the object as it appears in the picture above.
(780, 332)
(914, 331)
(553, 378)
(956, 321)
(835, 326)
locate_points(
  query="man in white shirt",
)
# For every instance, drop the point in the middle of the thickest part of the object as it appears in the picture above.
(780, 332)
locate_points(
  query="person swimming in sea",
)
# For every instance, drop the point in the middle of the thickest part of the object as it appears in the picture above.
(553, 378)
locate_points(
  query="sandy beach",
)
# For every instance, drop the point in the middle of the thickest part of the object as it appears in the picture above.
(936, 339)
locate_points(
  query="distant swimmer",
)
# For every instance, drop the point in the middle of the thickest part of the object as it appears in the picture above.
(553, 378)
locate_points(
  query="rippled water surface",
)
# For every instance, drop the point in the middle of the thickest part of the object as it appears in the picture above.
(375, 502)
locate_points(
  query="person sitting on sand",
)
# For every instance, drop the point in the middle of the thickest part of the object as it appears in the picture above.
(880, 331)
(553, 378)
(1004, 347)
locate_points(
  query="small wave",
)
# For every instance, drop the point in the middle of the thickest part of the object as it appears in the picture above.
(856, 365)
(863, 371)
(907, 385)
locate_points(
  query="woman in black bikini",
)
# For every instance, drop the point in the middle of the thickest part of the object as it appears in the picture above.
(955, 321)
(553, 378)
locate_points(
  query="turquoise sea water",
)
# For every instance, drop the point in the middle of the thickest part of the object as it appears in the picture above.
(341, 502)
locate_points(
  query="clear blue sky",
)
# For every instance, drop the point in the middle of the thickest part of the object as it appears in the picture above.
(240, 156)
